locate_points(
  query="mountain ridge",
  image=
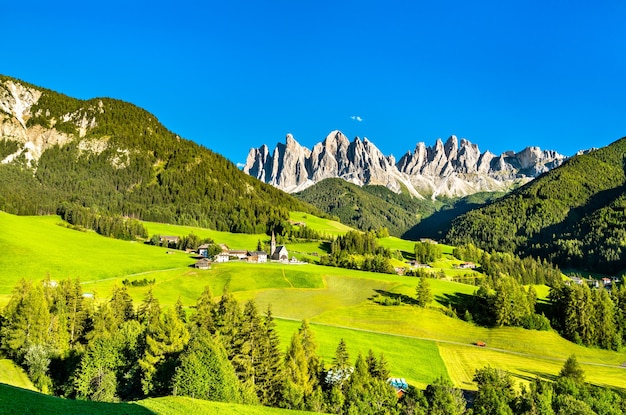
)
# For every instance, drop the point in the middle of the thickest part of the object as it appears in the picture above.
(450, 169)
(118, 159)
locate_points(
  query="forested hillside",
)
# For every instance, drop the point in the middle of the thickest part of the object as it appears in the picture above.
(374, 207)
(116, 158)
(573, 215)
(367, 207)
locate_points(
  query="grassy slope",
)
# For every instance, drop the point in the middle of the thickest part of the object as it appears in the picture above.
(14, 375)
(335, 300)
(18, 401)
(184, 405)
(35, 247)
(323, 226)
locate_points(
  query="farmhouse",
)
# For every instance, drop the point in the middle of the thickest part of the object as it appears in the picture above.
(222, 257)
(203, 263)
(257, 257)
(238, 253)
(203, 250)
(466, 265)
(171, 240)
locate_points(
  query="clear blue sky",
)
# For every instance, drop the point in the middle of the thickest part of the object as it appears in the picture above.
(232, 74)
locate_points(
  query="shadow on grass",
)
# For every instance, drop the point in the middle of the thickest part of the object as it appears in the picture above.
(405, 299)
(325, 246)
(534, 374)
(458, 301)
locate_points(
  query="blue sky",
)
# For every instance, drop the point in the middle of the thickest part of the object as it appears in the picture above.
(232, 75)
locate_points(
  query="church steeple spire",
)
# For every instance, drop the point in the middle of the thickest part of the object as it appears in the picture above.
(273, 245)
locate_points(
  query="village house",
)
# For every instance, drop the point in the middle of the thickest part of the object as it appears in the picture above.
(399, 385)
(171, 240)
(203, 250)
(221, 257)
(203, 263)
(238, 253)
(257, 257)
(466, 265)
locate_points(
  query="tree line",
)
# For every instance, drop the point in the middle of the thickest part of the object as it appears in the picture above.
(493, 264)
(592, 317)
(358, 250)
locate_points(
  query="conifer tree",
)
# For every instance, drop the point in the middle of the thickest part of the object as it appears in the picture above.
(298, 380)
(247, 345)
(205, 372)
(122, 304)
(165, 338)
(205, 309)
(270, 378)
(571, 369)
(27, 319)
(423, 293)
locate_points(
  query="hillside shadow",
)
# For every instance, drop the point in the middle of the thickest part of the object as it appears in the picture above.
(405, 299)
(575, 215)
(325, 246)
(437, 225)
(458, 301)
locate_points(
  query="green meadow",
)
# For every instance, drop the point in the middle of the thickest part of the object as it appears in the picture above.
(321, 225)
(419, 344)
(14, 375)
(18, 401)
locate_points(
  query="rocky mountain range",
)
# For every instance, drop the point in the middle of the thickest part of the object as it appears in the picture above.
(450, 169)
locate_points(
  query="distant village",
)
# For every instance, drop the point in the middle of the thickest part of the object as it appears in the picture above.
(278, 253)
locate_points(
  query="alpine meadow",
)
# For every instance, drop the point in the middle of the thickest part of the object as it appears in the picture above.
(142, 273)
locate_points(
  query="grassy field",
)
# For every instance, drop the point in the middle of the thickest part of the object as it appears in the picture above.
(323, 226)
(419, 344)
(19, 401)
(11, 374)
(36, 247)
(183, 405)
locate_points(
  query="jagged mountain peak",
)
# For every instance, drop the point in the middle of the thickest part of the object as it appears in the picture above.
(451, 168)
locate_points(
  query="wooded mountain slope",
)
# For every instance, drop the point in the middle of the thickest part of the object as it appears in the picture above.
(574, 215)
(116, 158)
(367, 207)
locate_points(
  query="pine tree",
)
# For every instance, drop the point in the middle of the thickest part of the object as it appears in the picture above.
(443, 398)
(423, 293)
(205, 372)
(122, 304)
(572, 370)
(247, 344)
(270, 378)
(298, 381)
(27, 319)
(149, 310)
(205, 309)
(165, 338)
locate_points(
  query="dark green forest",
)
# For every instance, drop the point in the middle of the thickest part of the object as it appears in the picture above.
(373, 207)
(573, 215)
(140, 170)
(367, 208)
